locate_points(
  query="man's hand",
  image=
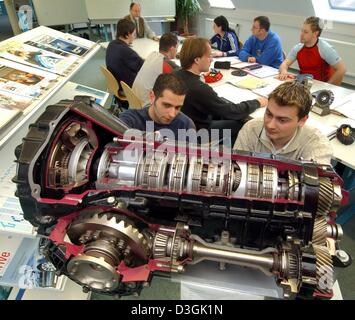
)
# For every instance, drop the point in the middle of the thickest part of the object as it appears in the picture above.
(285, 76)
(252, 59)
(263, 102)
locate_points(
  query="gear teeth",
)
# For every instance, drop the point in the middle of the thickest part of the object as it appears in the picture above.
(320, 231)
(293, 266)
(325, 197)
(122, 226)
(159, 246)
(325, 272)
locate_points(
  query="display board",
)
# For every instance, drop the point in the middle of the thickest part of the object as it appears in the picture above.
(52, 12)
(158, 8)
(114, 10)
(33, 66)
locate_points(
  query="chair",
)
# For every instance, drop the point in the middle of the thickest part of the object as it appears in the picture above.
(133, 101)
(240, 44)
(112, 84)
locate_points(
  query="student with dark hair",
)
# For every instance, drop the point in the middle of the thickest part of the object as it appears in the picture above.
(155, 64)
(165, 102)
(225, 41)
(264, 46)
(283, 130)
(202, 104)
(315, 56)
(121, 60)
(142, 28)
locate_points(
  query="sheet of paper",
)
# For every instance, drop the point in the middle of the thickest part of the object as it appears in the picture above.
(265, 91)
(327, 130)
(234, 94)
(263, 72)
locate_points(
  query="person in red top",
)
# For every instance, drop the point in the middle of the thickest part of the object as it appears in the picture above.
(314, 56)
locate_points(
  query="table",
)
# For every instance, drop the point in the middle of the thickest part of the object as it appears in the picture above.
(206, 282)
(36, 105)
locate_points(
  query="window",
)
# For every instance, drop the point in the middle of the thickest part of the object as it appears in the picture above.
(226, 4)
(335, 10)
(342, 4)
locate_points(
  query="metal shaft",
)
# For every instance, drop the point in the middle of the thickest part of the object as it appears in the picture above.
(263, 260)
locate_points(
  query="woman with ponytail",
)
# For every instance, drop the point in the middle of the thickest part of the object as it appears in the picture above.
(225, 41)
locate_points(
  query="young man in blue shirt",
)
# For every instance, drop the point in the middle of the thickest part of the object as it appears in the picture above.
(264, 46)
(166, 101)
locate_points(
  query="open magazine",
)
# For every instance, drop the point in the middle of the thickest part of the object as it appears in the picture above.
(35, 57)
(58, 46)
(23, 80)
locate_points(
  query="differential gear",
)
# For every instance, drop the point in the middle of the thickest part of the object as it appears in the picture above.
(112, 226)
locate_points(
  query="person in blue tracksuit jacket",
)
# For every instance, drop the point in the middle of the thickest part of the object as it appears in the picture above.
(264, 46)
(225, 41)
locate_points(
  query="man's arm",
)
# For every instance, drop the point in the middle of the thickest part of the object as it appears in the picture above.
(149, 32)
(338, 73)
(283, 74)
(245, 52)
(211, 103)
(329, 54)
(133, 61)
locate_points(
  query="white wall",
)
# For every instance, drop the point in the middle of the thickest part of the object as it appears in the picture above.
(286, 18)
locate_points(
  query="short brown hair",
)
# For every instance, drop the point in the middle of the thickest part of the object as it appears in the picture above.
(124, 28)
(167, 41)
(169, 81)
(315, 23)
(192, 48)
(264, 22)
(294, 94)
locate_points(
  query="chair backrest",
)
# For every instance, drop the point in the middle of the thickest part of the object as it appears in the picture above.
(133, 101)
(112, 84)
(240, 44)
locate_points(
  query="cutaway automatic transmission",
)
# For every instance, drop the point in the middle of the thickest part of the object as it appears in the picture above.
(116, 211)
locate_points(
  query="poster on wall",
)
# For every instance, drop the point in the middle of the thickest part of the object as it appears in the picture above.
(45, 60)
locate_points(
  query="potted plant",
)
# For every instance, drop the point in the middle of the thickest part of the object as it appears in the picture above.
(185, 9)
